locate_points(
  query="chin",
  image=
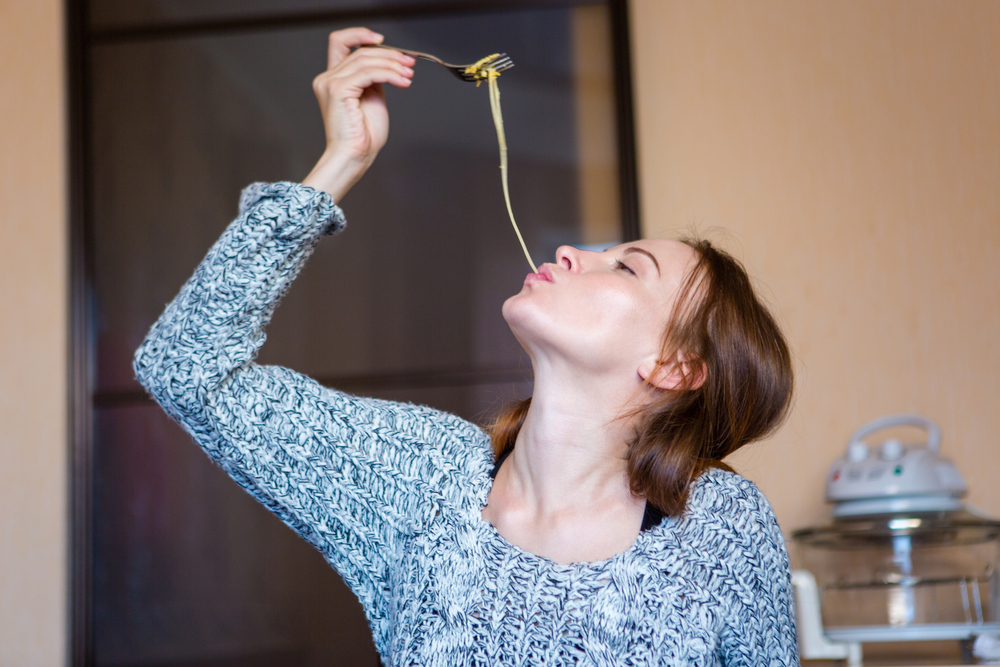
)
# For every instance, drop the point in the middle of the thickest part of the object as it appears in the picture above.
(526, 320)
(512, 307)
(521, 311)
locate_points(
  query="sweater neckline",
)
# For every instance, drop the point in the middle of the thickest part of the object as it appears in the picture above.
(651, 515)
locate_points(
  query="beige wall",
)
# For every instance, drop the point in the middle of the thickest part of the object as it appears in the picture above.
(33, 451)
(852, 150)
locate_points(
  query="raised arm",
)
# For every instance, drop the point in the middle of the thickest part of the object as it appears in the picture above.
(351, 475)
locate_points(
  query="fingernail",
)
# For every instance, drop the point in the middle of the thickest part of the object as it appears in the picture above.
(379, 37)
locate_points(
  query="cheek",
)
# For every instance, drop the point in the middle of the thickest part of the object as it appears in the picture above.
(625, 328)
(618, 324)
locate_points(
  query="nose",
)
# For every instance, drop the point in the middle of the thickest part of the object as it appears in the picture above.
(569, 258)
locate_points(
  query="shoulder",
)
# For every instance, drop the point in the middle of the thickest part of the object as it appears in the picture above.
(727, 528)
(725, 506)
(728, 497)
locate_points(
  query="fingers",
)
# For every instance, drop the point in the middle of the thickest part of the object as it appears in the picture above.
(362, 69)
(363, 57)
(371, 59)
(342, 41)
(354, 86)
(328, 89)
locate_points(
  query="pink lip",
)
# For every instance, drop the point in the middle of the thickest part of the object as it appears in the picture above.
(544, 275)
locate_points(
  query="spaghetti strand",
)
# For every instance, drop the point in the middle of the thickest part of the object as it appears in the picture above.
(484, 71)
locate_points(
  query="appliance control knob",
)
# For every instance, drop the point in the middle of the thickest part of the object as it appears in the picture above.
(892, 450)
(857, 452)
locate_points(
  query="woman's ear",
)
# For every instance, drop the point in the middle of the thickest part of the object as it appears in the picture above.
(681, 372)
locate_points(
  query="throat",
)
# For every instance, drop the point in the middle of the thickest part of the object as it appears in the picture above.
(573, 534)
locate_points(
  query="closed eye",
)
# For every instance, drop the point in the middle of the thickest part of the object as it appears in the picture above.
(622, 265)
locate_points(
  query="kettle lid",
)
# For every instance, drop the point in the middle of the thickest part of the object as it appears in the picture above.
(894, 477)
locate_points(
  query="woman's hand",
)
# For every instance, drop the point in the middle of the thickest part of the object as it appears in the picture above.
(353, 105)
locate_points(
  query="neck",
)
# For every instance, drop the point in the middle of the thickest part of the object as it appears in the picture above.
(571, 450)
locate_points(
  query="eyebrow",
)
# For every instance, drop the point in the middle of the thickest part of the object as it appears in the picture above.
(647, 254)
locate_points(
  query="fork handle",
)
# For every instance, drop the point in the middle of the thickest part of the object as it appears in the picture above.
(415, 54)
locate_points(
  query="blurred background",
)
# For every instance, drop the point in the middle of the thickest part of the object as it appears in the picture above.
(848, 153)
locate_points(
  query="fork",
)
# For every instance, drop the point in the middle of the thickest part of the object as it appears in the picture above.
(501, 63)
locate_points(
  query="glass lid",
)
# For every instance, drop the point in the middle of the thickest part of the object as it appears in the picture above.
(924, 530)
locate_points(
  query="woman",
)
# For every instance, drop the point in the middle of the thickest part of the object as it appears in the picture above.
(602, 530)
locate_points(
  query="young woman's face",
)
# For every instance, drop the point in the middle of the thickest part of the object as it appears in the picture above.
(603, 311)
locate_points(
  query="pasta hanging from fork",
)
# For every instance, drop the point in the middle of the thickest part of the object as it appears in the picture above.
(484, 72)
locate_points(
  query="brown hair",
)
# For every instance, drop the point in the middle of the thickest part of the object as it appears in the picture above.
(737, 388)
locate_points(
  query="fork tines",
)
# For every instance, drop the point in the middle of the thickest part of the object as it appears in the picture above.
(503, 63)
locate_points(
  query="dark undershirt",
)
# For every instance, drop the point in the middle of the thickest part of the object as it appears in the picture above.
(650, 516)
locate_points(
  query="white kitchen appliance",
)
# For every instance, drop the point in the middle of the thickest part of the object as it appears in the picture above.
(903, 559)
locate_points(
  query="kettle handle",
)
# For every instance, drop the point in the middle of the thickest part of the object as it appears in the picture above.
(933, 430)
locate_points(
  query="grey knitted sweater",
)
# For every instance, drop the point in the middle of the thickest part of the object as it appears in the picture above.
(391, 494)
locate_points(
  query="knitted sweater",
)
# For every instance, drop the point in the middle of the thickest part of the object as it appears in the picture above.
(391, 494)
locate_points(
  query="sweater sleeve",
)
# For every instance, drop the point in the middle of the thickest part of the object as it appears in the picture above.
(353, 476)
